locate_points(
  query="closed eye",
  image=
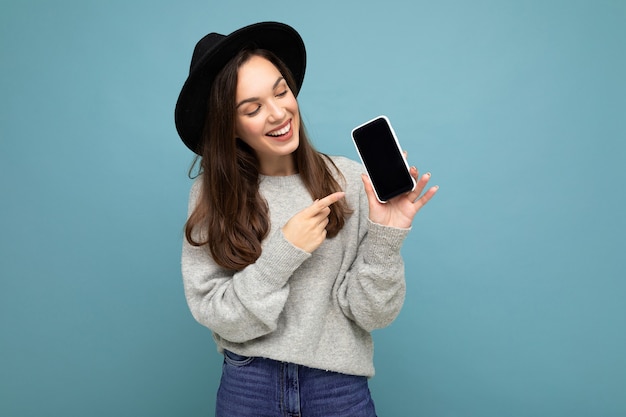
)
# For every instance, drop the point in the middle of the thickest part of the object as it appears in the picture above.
(254, 112)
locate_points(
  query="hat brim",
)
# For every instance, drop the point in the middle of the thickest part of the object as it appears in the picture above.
(191, 107)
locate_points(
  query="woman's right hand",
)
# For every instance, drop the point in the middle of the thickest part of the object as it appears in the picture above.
(307, 229)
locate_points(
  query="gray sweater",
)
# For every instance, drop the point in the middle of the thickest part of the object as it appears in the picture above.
(313, 309)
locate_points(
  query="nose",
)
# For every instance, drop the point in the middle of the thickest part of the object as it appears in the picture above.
(276, 111)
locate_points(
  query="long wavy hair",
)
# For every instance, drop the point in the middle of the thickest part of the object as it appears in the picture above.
(231, 218)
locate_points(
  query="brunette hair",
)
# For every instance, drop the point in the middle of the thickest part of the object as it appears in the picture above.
(230, 215)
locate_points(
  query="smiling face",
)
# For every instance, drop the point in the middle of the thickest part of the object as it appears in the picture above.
(267, 117)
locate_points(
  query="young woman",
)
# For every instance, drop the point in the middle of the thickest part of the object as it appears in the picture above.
(288, 256)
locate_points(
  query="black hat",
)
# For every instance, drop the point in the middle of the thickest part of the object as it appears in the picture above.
(213, 52)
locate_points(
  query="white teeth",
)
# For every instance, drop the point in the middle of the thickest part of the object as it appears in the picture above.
(281, 131)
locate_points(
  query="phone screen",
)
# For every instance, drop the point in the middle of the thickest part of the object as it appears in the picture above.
(380, 152)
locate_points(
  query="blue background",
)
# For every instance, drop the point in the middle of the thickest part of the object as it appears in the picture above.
(516, 301)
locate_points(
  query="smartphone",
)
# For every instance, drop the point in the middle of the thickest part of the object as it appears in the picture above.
(380, 152)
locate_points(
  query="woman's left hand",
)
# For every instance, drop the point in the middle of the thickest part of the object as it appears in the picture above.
(400, 210)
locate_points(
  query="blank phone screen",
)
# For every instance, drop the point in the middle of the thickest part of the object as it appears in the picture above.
(383, 159)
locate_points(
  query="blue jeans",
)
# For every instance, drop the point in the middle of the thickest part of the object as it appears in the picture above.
(259, 387)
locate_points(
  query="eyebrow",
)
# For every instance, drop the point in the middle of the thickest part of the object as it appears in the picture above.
(253, 99)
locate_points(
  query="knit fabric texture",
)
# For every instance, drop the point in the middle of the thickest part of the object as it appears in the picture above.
(314, 309)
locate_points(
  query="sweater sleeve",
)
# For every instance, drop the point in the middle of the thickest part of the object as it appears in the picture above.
(373, 290)
(244, 305)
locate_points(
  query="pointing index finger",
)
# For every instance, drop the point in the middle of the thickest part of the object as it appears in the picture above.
(330, 199)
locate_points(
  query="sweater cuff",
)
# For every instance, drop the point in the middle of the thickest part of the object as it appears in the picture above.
(384, 243)
(279, 260)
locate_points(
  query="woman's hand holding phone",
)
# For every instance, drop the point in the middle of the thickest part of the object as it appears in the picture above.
(400, 210)
(393, 189)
